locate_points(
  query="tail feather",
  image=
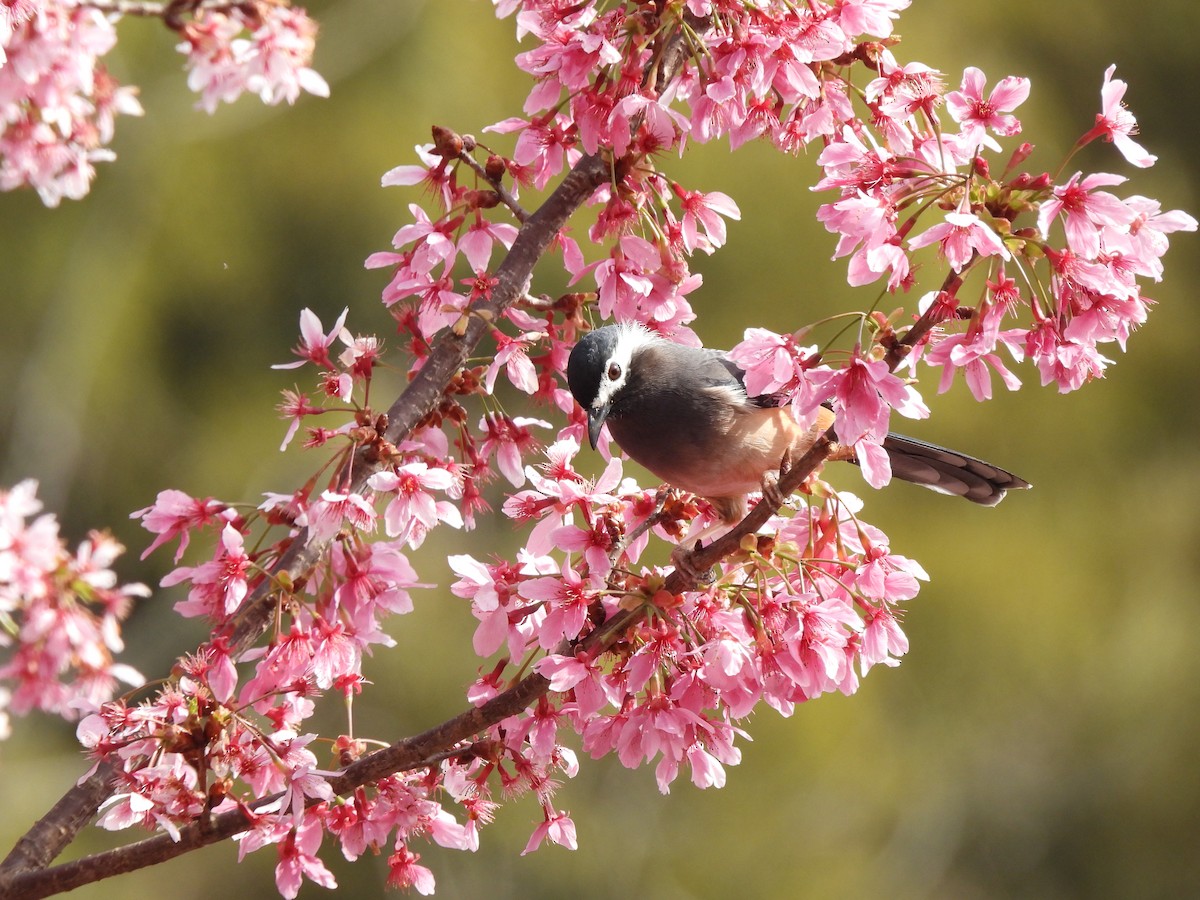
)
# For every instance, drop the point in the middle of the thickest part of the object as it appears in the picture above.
(948, 471)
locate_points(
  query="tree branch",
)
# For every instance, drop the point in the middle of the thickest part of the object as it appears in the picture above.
(38, 848)
(410, 753)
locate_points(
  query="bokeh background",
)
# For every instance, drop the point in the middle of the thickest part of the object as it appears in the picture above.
(1041, 738)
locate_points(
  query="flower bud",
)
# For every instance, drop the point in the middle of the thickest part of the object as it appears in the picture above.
(447, 144)
(495, 168)
(481, 199)
(1019, 156)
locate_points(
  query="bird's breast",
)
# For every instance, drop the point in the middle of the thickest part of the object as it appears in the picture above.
(724, 453)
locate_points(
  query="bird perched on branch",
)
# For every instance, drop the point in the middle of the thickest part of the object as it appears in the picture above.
(684, 414)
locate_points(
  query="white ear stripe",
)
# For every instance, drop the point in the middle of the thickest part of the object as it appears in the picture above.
(631, 337)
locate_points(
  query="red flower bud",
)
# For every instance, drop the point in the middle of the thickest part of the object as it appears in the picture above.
(447, 144)
(495, 167)
(1019, 156)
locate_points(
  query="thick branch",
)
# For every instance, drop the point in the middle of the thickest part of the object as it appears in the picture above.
(410, 753)
(39, 847)
(24, 870)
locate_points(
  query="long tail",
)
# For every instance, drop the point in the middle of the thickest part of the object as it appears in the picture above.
(948, 471)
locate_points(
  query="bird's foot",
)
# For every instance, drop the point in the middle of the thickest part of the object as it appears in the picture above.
(770, 484)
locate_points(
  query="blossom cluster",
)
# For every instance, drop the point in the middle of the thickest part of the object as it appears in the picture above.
(261, 48)
(172, 775)
(1077, 249)
(805, 609)
(900, 152)
(59, 102)
(1064, 255)
(806, 612)
(802, 612)
(808, 606)
(60, 614)
(228, 731)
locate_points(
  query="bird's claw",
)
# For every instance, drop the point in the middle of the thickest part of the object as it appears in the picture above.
(770, 483)
(770, 489)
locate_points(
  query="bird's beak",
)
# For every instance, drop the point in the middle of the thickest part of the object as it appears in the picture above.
(596, 416)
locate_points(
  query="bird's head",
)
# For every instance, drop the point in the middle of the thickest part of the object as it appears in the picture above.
(599, 369)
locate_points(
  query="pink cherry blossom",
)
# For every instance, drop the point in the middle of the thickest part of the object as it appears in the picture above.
(558, 828)
(705, 211)
(1115, 123)
(874, 17)
(326, 516)
(512, 354)
(175, 514)
(272, 62)
(492, 591)
(866, 393)
(404, 872)
(961, 236)
(441, 305)
(302, 780)
(64, 612)
(509, 439)
(314, 343)
(58, 102)
(1087, 212)
(864, 222)
(282, 48)
(1063, 361)
(218, 586)
(595, 541)
(433, 172)
(295, 406)
(413, 510)
(902, 91)
(567, 673)
(544, 144)
(968, 107)
(163, 794)
(373, 580)
(480, 237)
(882, 639)
(298, 859)
(566, 598)
(974, 353)
(1146, 240)
(557, 490)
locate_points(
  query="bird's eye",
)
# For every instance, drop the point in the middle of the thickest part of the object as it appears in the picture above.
(614, 371)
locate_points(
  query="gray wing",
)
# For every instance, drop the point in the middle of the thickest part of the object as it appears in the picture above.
(738, 374)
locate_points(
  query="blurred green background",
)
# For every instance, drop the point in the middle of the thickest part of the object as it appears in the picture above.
(1041, 738)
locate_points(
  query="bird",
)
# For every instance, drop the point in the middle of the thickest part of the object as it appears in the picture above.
(684, 414)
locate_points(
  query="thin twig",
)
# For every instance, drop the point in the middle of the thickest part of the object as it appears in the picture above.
(655, 517)
(505, 195)
(928, 319)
